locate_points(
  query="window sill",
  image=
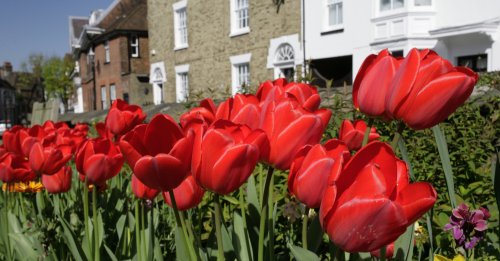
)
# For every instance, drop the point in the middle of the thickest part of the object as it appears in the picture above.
(239, 32)
(333, 30)
(181, 47)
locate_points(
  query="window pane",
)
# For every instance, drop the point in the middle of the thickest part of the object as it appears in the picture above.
(398, 4)
(103, 98)
(112, 93)
(339, 13)
(423, 2)
(385, 5)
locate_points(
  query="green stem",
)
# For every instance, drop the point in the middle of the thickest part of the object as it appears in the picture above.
(151, 231)
(244, 219)
(263, 213)
(270, 220)
(137, 230)
(6, 222)
(383, 250)
(366, 137)
(95, 225)
(218, 229)
(305, 220)
(86, 215)
(184, 236)
(143, 232)
(397, 136)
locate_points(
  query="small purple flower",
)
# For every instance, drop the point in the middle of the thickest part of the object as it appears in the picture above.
(468, 227)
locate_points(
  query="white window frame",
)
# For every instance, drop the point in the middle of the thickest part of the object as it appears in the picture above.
(104, 99)
(181, 83)
(134, 46)
(392, 9)
(107, 54)
(326, 23)
(236, 62)
(181, 40)
(236, 20)
(423, 6)
(112, 93)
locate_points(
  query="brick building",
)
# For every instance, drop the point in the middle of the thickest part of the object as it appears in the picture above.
(112, 55)
(214, 48)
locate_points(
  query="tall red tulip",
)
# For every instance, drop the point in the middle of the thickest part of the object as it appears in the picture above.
(305, 94)
(311, 169)
(59, 182)
(122, 117)
(226, 156)
(422, 90)
(289, 128)
(427, 88)
(241, 109)
(14, 168)
(205, 111)
(99, 160)
(49, 159)
(142, 191)
(370, 203)
(353, 134)
(158, 152)
(187, 195)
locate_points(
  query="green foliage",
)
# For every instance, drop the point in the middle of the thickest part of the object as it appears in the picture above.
(491, 79)
(56, 73)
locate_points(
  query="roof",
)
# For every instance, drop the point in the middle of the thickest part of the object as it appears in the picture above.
(5, 85)
(125, 15)
(76, 24)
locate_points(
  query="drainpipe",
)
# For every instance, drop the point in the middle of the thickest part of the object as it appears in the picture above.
(303, 27)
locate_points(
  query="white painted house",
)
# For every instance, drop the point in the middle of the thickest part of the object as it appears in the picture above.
(339, 34)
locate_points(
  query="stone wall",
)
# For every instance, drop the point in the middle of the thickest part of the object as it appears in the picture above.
(210, 46)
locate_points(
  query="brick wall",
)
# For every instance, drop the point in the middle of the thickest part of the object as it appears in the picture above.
(210, 45)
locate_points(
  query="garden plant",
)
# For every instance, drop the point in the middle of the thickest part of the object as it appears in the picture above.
(404, 168)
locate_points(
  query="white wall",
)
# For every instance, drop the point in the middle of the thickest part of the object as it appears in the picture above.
(356, 34)
(459, 12)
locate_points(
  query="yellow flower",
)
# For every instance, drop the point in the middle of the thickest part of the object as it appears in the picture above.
(442, 258)
(25, 187)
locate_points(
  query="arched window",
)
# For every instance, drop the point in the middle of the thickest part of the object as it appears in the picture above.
(284, 54)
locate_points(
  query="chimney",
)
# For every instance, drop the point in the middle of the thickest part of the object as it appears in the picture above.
(5, 70)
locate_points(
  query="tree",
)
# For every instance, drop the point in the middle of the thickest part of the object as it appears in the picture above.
(56, 74)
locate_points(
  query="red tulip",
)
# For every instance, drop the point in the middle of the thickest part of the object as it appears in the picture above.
(14, 168)
(289, 128)
(102, 131)
(49, 159)
(158, 152)
(427, 88)
(241, 109)
(123, 117)
(311, 169)
(305, 94)
(13, 139)
(370, 203)
(187, 195)
(99, 160)
(226, 156)
(205, 111)
(353, 134)
(142, 191)
(421, 90)
(59, 182)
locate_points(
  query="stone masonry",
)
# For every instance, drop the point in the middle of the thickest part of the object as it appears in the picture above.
(210, 46)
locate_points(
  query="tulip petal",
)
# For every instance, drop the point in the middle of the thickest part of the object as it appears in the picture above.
(310, 185)
(436, 101)
(416, 199)
(162, 172)
(161, 134)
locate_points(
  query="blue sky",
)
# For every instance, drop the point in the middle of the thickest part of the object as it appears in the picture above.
(39, 26)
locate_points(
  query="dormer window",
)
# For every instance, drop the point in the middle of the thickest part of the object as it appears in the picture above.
(387, 5)
(107, 57)
(134, 46)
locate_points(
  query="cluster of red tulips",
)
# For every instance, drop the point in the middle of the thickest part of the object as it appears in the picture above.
(362, 189)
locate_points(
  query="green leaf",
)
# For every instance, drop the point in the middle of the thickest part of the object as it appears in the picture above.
(120, 225)
(403, 247)
(495, 171)
(75, 249)
(241, 240)
(24, 248)
(180, 248)
(445, 161)
(231, 200)
(110, 253)
(302, 254)
(314, 234)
